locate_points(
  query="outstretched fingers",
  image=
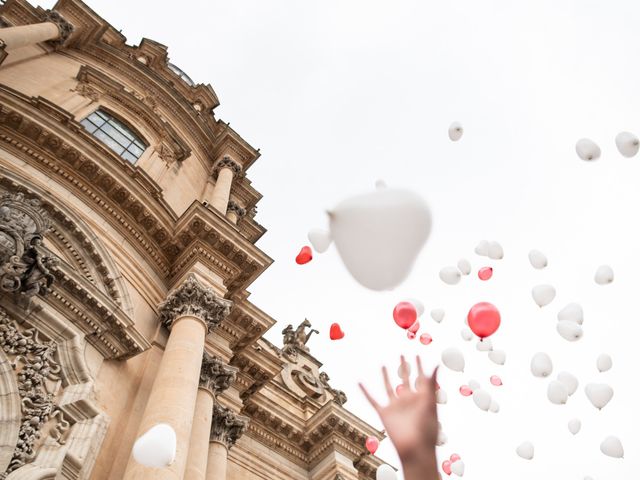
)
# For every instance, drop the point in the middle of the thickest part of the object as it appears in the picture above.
(372, 401)
(387, 384)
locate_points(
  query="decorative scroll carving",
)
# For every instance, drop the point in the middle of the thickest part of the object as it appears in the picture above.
(226, 426)
(295, 341)
(193, 298)
(235, 207)
(65, 28)
(308, 383)
(24, 266)
(338, 395)
(215, 375)
(227, 162)
(38, 374)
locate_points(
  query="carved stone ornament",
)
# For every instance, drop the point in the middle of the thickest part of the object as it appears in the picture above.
(65, 28)
(88, 91)
(25, 267)
(226, 426)
(39, 382)
(338, 395)
(227, 162)
(215, 375)
(295, 341)
(235, 207)
(195, 299)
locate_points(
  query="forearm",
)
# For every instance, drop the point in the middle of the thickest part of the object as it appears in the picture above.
(424, 467)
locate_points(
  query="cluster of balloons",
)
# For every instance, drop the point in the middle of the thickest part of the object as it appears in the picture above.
(453, 465)
(626, 143)
(406, 315)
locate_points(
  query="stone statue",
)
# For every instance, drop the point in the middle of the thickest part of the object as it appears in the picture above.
(295, 341)
(301, 337)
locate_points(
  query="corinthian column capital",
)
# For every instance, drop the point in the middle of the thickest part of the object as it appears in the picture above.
(215, 375)
(65, 28)
(192, 298)
(227, 162)
(226, 426)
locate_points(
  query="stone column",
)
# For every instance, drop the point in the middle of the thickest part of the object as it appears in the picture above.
(54, 28)
(215, 377)
(234, 211)
(223, 172)
(190, 311)
(226, 429)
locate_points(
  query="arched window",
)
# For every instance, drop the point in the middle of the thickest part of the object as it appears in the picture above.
(115, 135)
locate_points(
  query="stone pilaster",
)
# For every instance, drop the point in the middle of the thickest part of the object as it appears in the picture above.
(223, 172)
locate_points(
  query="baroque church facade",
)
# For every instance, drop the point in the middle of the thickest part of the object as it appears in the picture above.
(127, 247)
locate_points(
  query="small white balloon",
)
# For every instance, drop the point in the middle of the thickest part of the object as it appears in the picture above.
(537, 259)
(450, 275)
(572, 312)
(419, 306)
(557, 393)
(604, 275)
(474, 384)
(498, 356)
(452, 358)
(386, 472)
(628, 144)
(464, 266)
(494, 407)
(437, 314)
(612, 447)
(455, 131)
(599, 394)
(587, 149)
(441, 396)
(482, 399)
(482, 248)
(466, 334)
(525, 450)
(543, 294)
(604, 363)
(320, 239)
(541, 365)
(495, 251)
(569, 330)
(442, 439)
(569, 381)
(574, 426)
(457, 467)
(484, 345)
(156, 447)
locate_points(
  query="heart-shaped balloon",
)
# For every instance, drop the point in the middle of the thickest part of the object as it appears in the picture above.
(485, 273)
(466, 391)
(612, 447)
(372, 444)
(156, 447)
(335, 332)
(599, 394)
(446, 467)
(320, 239)
(454, 457)
(457, 467)
(415, 327)
(525, 450)
(304, 256)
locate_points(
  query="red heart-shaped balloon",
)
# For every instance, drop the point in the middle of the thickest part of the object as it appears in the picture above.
(304, 256)
(335, 332)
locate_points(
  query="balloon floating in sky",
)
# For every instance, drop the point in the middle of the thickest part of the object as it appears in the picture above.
(627, 144)
(574, 426)
(414, 328)
(587, 149)
(335, 332)
(386, 472)
(604, 363)
(495, 380)
(498, 356)
(452, 358)
(437, 314)
(483, 319)
(372, 444)
(569, 330)
(466, 334)
(569, 381)
(450, 275)
(464, 266)
(485, 273)
(466, 391)
(425, 339)
(537, 259)
(482, 248)
(455, 131)
(572, 312)
(405, 314)
(494, 407)
(557, 392)
(320, 239)
(305, 255)
(484, 345)
(599, 394)
(604, 275)
(525, 450)
(446, 467)
(419, 306)
(482, 399)
(612, 447)
(457, 467)
(380, 234)
(543, 294)
(541, 365)
(156, 447)
(454, 457)
(495, 251)
(411, 335)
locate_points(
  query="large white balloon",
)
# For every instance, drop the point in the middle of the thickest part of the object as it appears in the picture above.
(484, 345)
(604, 363)
(320, 239)
(498, 356)
(466, 334)
(628, 144)
(557, 392)
(495, 251)
(569, 330)
(437, 314)
(455, 131)
(419, 306)
(441, 396)
(457, 467)
(604, 275)
(574, 426)
(482, 248)
(452, 358)
(537, 259)
(543, 294)
(525, 450)
(380, 234)
(599, 394)
(612, 447)
(587, 149)
(494, 407)
(541, 365)
(450, 275)
(464, 266)
(572, 312)
(482, 399)
(569, 381)
(386, 472)
(156, 447)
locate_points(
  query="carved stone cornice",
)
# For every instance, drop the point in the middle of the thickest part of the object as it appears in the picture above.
(215, 375)
(64, 27)
(226, 426)
(236, 208)
(227, 162)
(193, 298)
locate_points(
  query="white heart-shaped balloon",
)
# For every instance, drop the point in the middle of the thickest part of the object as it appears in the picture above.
(464, 266)
(441, 396)
(495, 251)
(587, 149)
(604, 363)
(541, 365)
(320, 239)
(455, 131)
(599, 394)
(574, 426)
(537, 259)
(386, 472)
(569, 330)
(628, 144)
(466, 334)
(452, 358)
(482, 248)
(498, 356)
(482, 399)
(437, 314)
(156, 447)
(457, 467)
(380, 234)
(484, 345)
(612, 447)
(450, 275)
(557, 393)
(543, 294)
(604, 275)
(525, 450)
(572, 312)
(569, 381)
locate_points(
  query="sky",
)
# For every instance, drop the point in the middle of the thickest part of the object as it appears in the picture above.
(340, 94)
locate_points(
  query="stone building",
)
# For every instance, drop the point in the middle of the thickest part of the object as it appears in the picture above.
(127, 247)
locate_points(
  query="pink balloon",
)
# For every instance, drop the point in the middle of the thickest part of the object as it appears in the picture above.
(485, 273)
(405, 314)
(483, 319)
(415, 327)
(446, 467)
(425, 339)
(454, 457)
(411, 335)
(495, 380)
(466, 391)
(372, 444)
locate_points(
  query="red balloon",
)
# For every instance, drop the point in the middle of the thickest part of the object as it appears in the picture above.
(446, 467)
(495, 380)
(405, 314)
(372, 444)
(454, 457)
(411, 335)
(304, 256)
(483, 319)
(415, 327)
(485, 273)
(466, 391)
(425, 339)
(335, 332)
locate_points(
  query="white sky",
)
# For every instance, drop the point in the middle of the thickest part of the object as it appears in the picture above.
(338, 94)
